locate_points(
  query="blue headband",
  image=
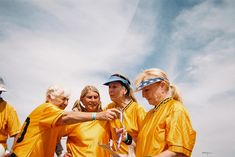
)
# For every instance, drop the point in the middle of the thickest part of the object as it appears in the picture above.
(148, 82)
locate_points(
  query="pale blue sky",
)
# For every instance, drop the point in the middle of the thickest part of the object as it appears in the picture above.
(77, 42)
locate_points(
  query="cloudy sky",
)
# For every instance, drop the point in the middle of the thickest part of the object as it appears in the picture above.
(80, 42)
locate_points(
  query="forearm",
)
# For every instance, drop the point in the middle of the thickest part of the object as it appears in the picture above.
(73, 117)
(168, 153)
(76, 116)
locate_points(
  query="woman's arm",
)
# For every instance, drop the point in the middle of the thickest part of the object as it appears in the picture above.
(76, 116)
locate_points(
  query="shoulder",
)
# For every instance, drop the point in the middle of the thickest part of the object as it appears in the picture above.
(49, 106)
(6, 105)
(177, 106)
(45, 108)
(110, 105)
(137, 106)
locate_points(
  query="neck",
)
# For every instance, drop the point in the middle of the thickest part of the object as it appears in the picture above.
(123, 103)
(161, 98)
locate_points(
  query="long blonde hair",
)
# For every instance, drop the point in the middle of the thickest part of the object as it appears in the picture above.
(155, 73)
(78, 106)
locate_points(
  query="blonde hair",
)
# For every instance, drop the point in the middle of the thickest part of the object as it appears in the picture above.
(154, 73)
(56, 91)
(78, 106)
(131, 94)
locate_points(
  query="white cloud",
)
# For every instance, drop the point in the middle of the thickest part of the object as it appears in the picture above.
(74, 43)
(205, 34)
(78, 42)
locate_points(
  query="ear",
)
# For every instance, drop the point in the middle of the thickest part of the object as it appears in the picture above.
(125, 90)
(82, 100)
(48, 97)
(162, 85)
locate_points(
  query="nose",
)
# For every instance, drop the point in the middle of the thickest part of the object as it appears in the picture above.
(66, 101)
(93, 99)
(143, 94)
(110, 90)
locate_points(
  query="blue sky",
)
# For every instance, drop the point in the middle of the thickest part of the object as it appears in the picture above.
(75, 43)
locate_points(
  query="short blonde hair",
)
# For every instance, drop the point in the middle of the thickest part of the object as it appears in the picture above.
(56, 91)
(158, 73)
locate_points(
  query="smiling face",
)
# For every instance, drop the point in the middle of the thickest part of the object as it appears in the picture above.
(59, 96)
(91, 101)
(117, 91)
(60, 101)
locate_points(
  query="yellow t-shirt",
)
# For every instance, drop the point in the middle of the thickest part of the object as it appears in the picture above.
(83, 138)
(9, 122)
(39, 133)
(133, 116)
(167, 127)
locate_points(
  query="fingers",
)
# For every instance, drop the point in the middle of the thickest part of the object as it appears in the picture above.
(124, 136)
(67, 155)
(123, 132)
(7, 154)
(119, 130)
(110, 115)
(115, 110)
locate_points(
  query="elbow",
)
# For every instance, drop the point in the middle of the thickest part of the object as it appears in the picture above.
(64, 119)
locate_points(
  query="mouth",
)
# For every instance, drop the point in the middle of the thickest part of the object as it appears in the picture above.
(63, 106)
(93, 104)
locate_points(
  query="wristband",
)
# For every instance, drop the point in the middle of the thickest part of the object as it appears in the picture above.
(93, 116)
(128, 139)
(13, 155)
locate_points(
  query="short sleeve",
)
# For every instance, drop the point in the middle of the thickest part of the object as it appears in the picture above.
(141, 115)
(51, 114)
(180, 134)
(13, 122)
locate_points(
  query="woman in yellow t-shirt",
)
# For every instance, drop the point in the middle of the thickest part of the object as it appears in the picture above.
(83, 139)
(133, 114)
(9, 121)
(167, 129)
(41, 128)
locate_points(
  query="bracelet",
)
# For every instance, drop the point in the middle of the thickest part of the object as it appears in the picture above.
(128, 139)
(93, 116)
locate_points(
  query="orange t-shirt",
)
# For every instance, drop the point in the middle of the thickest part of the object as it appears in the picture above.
(39, 133)
(9, 122)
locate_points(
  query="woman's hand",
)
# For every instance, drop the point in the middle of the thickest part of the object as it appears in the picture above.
(109, 114)
(67, 155)
(122, 132)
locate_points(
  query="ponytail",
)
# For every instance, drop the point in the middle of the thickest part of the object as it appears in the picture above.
(175, 93)
(131, 94)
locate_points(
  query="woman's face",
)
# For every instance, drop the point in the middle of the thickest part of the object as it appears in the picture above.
(60, 101)
(91, 101)
(117, 92)
(153, 93)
